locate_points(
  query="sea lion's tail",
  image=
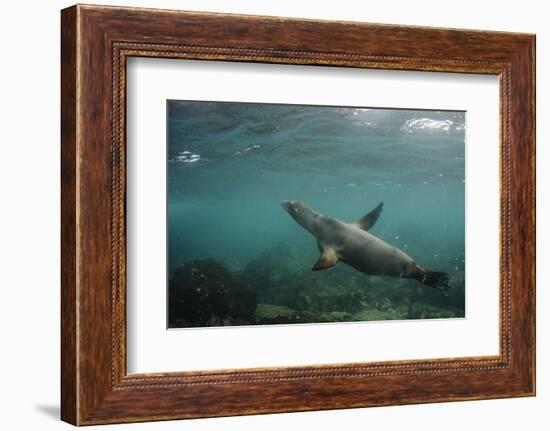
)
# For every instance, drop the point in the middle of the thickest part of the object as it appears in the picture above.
(437, 280)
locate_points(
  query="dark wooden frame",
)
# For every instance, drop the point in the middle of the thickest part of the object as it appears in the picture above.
(96, 41)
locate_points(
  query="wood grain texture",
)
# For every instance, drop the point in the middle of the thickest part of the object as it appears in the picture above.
(96, 41)
(69, 366)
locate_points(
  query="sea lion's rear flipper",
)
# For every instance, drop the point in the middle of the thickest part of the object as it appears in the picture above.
(437, 280)
(370, 219)
(327, 260)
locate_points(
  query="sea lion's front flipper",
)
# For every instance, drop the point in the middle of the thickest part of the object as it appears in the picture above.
(327, 260)
(370, 219)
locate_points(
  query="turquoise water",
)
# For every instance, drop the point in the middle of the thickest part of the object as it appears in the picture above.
(231, 164)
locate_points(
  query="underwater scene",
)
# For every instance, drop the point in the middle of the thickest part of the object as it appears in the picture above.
(287, 214)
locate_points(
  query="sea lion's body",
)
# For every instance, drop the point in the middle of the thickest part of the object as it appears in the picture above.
(354, 246)
(363, 251)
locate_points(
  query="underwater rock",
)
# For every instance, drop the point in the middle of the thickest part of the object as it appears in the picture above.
(338, 316)
(279, 314)
(424, 311)
(370, 314)
(265, 270)
(261, 276)
(274, 290)
(205, 293)
(310, 291)
(270, 313)
(243, 300)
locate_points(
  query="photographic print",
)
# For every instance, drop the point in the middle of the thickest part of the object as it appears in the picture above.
(290, 214)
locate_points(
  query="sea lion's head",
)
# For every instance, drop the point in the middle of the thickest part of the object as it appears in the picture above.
(296, 208)
(300, 212)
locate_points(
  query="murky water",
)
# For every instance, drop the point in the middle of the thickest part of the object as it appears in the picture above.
(236, 258)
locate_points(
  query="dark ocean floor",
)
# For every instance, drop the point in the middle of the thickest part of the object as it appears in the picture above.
(276, 288)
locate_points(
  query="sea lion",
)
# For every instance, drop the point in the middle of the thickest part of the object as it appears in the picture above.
(352, 244)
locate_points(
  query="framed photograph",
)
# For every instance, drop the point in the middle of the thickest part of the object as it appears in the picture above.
(265, 214)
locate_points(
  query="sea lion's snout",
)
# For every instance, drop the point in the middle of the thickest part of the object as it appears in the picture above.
(288, 205)
(295, 209)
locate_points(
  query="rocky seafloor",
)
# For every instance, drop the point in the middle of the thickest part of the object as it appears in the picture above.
(275, 288)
